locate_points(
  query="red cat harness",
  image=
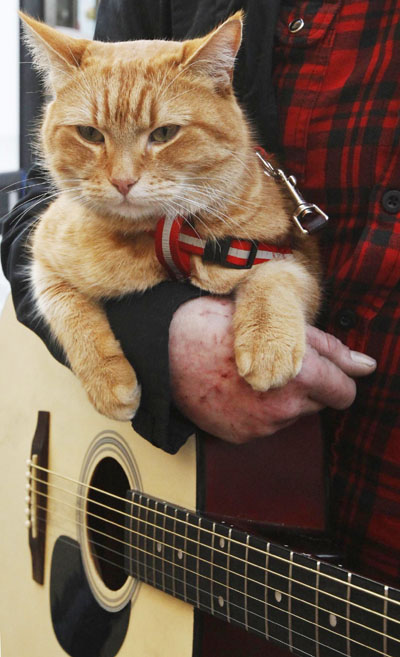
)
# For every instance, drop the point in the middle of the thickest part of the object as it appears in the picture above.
(176, 241)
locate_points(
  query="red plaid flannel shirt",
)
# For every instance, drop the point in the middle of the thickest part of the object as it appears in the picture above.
(338, 89)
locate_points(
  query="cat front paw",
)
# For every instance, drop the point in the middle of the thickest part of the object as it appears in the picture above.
(265, 361)
(113, 389)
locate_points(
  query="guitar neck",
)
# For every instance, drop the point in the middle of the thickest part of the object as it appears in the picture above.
(308, 606)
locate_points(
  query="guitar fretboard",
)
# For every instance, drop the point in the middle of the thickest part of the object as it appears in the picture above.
(293, 600)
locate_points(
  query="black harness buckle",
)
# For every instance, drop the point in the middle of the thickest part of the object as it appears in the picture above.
(217, 253)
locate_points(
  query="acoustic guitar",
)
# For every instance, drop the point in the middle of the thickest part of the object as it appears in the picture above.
(110, 547)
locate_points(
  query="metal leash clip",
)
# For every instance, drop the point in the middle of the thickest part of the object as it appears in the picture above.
(307, 216)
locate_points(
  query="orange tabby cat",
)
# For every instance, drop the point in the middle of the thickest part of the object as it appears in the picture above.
(136, 131)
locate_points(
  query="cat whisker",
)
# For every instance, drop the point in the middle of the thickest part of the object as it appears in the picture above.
(18, 219)
(213, 212)
(11, 188)
(178, 210)
(222, 196)
(31, 205)
(238, 159)
(217, 202)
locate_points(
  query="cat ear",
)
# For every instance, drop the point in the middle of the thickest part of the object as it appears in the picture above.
(215, 54)
(54, 53)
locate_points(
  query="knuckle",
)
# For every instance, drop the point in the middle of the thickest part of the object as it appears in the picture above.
(332, 344)
(347, 395)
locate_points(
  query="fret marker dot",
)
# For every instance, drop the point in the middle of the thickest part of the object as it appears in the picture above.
(222, 542)
(180, 554)
(332, 620)
(159, 547)
(220, 601)
(278, 596)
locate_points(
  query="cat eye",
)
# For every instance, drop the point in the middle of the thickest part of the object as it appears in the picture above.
(90, 134)
(164, 134)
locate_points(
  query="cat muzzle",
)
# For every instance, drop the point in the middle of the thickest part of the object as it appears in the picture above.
(176, 241)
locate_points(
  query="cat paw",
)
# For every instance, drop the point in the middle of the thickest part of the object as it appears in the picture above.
(114, 390)
(266, 362)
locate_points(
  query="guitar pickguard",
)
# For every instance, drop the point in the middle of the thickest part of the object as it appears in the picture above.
(82, 627)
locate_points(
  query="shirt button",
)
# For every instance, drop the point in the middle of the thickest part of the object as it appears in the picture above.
(296, 25)
(347, 319)
(391, 201)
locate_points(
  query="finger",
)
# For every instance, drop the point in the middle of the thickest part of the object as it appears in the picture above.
(326, 383)
(308, 407)
(351, 362)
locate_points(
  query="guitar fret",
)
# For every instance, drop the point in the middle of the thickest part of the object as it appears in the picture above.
(180, 553)
(205, 580)
(221, 571)
(169, 551)
(255, 586)
(148, 543)
(141, 542)
(163, 549)
(393, 625)
(290, 603)
(158, 549)
(385, 624)
(266, 590)
(228, 559)
(192, 563)
(303, 605)
(173, 554)
(367, 629)
(236, 589)
(246, 575)
(332, 616)
(185, 551)
(317, 652)
(278, 595)
(198, 568)
(348, 644)
(212, 567)
(153, 521)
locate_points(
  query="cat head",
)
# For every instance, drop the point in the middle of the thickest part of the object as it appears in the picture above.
(142, 129)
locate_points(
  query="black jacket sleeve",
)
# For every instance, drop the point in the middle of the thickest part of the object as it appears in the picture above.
(16, 228)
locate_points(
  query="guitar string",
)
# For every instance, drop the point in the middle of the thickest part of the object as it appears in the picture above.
(286, 561)
(160, 513)
(236, 622)
(172, 591)
(228, 571)
(213, 581)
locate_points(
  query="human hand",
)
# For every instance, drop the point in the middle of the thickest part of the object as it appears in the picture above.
(209, 391)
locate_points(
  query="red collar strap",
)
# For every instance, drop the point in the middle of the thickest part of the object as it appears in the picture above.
(175, 241)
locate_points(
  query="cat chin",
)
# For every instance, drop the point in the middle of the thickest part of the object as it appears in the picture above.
(132, 214)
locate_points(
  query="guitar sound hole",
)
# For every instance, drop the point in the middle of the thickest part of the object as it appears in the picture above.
(105, 521)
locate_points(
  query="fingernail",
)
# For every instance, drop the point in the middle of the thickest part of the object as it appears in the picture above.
(362, 359)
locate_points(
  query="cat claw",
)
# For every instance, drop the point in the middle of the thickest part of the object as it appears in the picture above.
(123, 405)
(114, 390)
(269, 366)
(130, 402)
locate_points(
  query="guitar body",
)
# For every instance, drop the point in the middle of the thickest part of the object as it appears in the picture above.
(78, 609)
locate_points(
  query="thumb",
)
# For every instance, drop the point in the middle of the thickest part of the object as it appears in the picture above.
(352, 363)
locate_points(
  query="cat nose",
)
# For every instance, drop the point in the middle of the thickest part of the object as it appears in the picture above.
(123, 186)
